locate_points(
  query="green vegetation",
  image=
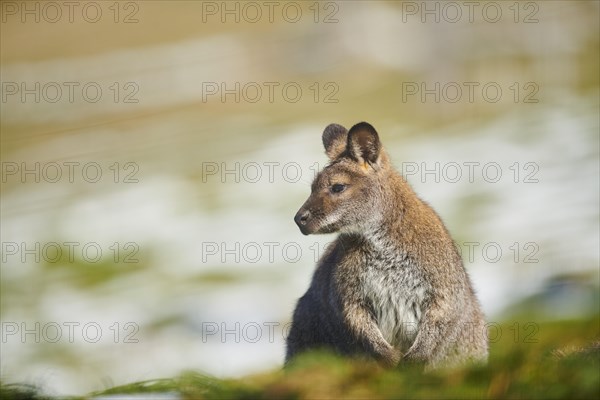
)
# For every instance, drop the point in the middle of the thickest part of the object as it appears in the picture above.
(528, 360)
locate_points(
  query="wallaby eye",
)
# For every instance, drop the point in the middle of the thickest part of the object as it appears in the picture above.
(338, 188)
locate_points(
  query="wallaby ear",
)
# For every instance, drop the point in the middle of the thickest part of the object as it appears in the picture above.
(363, 143)
(334, 140)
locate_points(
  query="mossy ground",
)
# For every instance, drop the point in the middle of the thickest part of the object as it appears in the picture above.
(528, 360)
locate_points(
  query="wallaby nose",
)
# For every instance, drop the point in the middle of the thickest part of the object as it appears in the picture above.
(302, 217)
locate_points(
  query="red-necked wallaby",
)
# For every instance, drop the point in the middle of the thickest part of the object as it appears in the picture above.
(392, 286)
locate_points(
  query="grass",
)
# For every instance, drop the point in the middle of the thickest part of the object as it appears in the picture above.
(528, 360)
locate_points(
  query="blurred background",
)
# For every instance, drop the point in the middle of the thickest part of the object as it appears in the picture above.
(154, 154)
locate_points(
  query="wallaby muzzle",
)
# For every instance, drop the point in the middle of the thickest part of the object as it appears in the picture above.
(303, 219)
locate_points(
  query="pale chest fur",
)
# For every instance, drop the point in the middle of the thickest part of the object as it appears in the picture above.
(395, 291)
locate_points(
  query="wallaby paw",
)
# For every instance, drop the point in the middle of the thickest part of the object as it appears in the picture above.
(391, 358)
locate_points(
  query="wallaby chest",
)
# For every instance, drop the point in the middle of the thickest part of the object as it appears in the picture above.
(395, 291)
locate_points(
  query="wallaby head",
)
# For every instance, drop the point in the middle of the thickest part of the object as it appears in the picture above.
(347, 195)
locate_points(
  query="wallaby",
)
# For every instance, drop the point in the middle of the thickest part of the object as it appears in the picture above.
(392, 286)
